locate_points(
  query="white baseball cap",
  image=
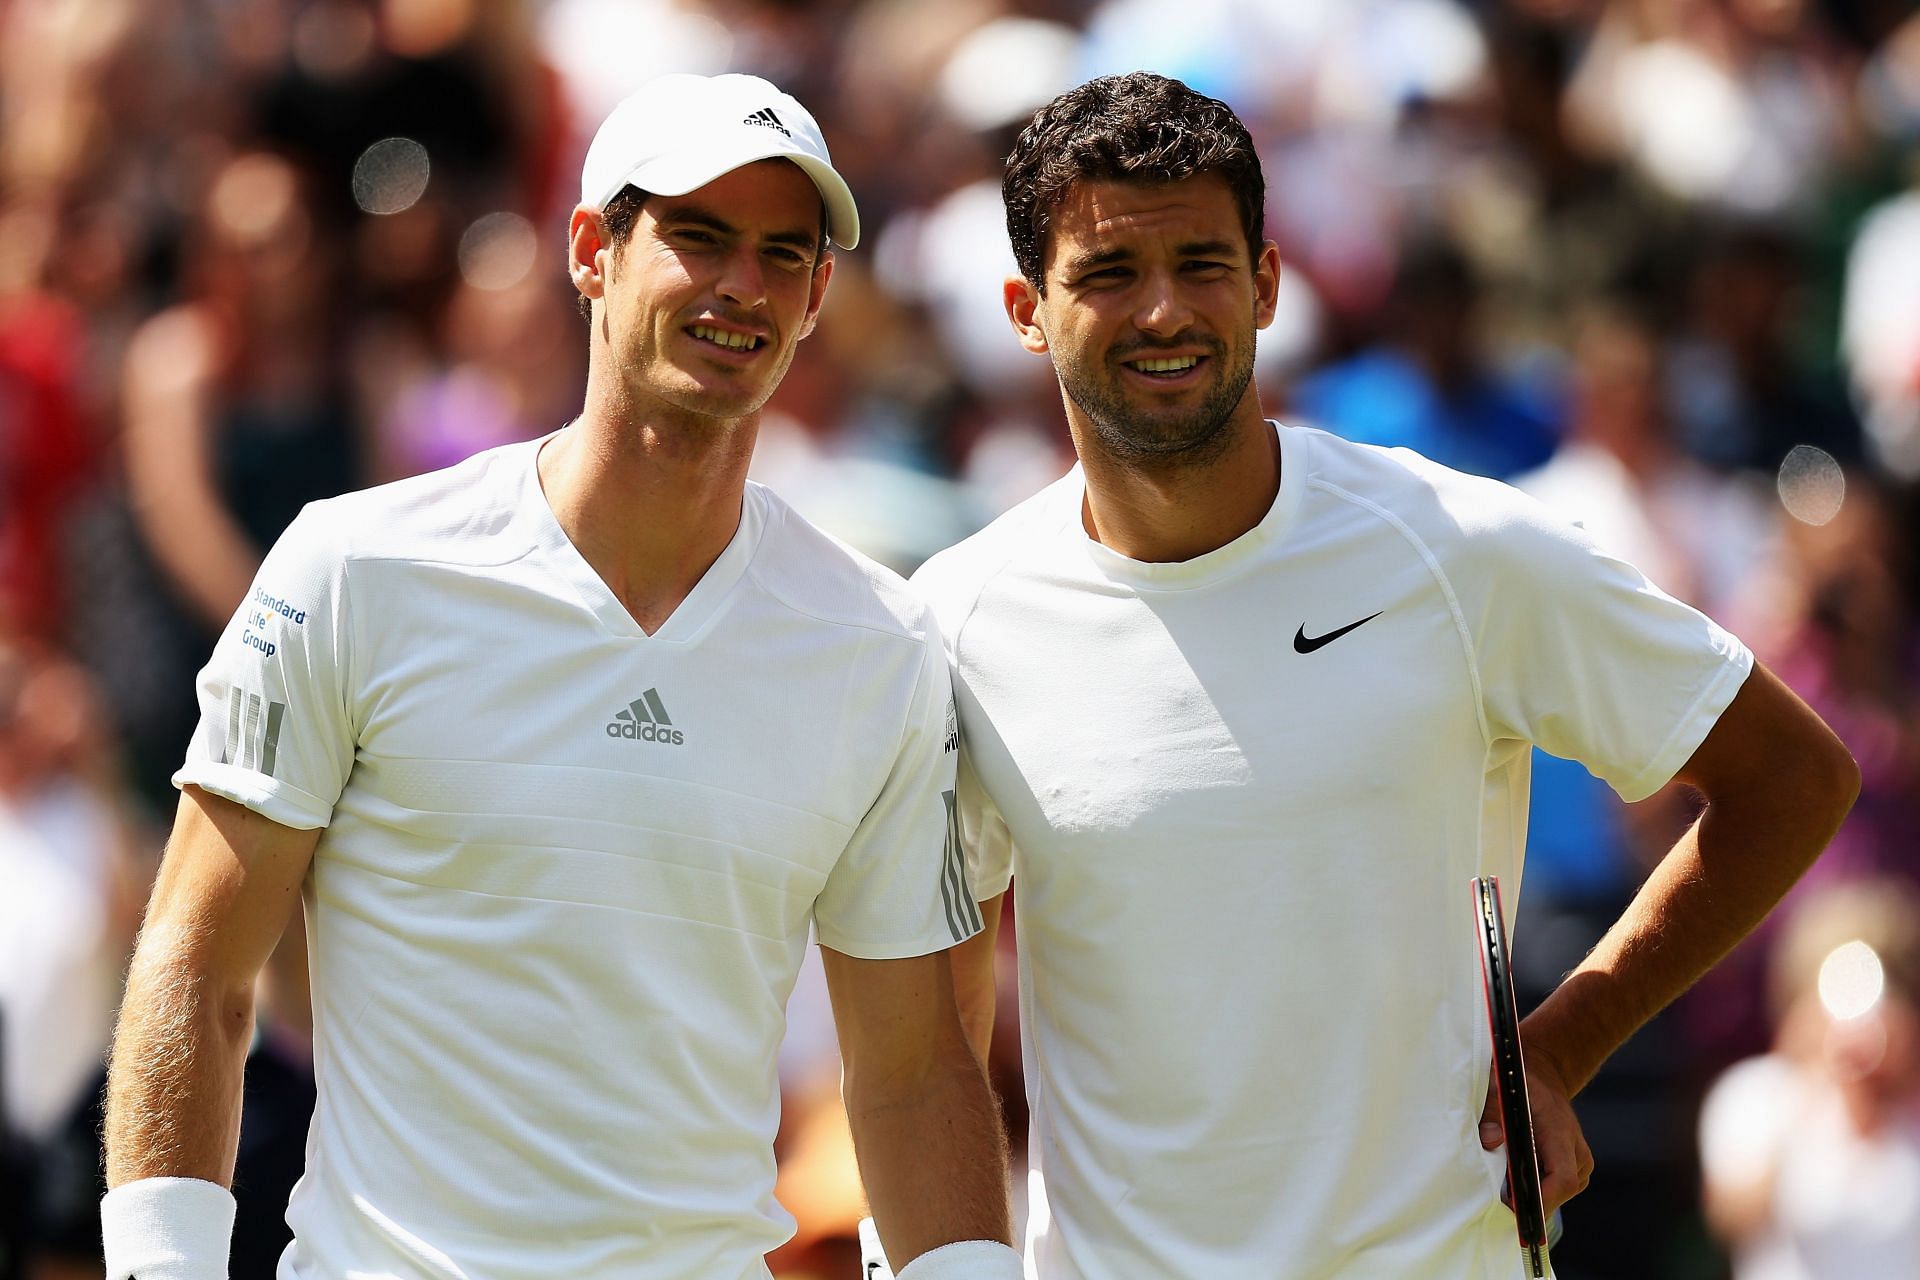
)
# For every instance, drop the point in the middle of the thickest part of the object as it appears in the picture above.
(680, 132)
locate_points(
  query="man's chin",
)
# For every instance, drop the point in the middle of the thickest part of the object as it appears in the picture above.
(1146, 439)
(724, 398)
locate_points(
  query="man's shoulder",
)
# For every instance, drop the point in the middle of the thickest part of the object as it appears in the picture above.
(953, 580)
(1438, 506)
(460, 514)
(816, 574)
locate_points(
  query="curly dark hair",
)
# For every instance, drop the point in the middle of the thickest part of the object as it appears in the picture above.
(1139, 128)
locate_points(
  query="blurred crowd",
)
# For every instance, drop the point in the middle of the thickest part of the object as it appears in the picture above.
(1656, 261)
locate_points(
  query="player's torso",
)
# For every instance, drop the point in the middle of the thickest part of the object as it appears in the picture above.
(1273, 741)
(558, 913)
(1245, 817)
(753, 748)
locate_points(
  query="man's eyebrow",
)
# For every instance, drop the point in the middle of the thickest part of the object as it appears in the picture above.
(799, 239)
(1088, 261)
(695, 215)
(1206, 249)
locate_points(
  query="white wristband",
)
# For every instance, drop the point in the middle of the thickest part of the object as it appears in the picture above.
(965, 1260)
(167, 1229)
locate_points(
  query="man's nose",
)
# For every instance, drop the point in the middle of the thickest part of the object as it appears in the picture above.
(743, 281)
(1162, 312)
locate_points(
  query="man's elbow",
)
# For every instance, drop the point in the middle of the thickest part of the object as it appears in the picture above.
(1838, 778)
(173, 987)
(910, 1073)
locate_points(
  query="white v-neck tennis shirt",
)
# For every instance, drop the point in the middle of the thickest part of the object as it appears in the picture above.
(569, 868)
(1240, 799)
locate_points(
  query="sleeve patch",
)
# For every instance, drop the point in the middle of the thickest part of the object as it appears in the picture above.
(252, 736)
(963, 913)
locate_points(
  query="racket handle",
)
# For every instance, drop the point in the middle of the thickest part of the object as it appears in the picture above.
(1536, 1254)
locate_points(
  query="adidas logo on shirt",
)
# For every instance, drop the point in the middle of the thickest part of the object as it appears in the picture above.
(765, 117)
(645, 720)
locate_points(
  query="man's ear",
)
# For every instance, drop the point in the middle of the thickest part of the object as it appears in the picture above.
(1023, 304)
(586, 243)
(817, 291)
(1266, 284)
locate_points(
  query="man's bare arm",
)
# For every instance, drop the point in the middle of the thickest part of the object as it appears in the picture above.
(975, 984)
(228, 883)
(926, 1129)
(1777, 784)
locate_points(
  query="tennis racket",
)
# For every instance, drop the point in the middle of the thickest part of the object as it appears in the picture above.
(1510, 1077)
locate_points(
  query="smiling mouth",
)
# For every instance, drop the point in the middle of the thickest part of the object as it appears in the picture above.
(726, 339)
(1163, 366)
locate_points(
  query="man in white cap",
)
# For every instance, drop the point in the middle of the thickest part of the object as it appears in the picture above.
(565, 748)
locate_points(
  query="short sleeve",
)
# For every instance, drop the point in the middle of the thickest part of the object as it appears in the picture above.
(1579, 654)
(275, 733)
(900, 886)
(983, 831)
(950, 583)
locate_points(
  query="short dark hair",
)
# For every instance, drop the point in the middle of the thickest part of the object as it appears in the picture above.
(618, 216)
(620, 213)
(1139, 128)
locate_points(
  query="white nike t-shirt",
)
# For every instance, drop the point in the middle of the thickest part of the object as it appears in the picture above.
(1240, 799)
(569, 868)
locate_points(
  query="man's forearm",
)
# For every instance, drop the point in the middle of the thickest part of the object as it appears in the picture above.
(933, 1156)
(1712, 888)
(173, 1087)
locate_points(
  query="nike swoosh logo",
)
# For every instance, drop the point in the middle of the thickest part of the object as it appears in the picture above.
(1302, 644)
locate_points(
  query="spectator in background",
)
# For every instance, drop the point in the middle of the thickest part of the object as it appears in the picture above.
(1742, 388)
(1427, 386)
(1737, 105)
(238, 406)
(1880, 321)
(1839, 620)
(70, 877)
(47, 454)
(1811, 1153)
(1622, 476)
(67, 911)
(505, 366)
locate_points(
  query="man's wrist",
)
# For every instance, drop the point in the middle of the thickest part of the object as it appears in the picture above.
(167, 1229)
(962, 1260)
(965, 1260)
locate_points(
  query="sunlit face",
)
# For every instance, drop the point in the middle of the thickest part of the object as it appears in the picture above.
(713, 290)
(1152, 299)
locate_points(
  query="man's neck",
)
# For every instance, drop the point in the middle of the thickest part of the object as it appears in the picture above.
(649, 501)
(1168, 512)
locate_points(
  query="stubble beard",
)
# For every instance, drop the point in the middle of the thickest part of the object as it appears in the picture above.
(1155, 441)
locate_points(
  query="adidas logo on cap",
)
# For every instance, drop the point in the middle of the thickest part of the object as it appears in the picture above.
(766, 119)
(645, 720)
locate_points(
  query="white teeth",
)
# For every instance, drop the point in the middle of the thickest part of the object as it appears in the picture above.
(1173, 365)
(736, 341)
